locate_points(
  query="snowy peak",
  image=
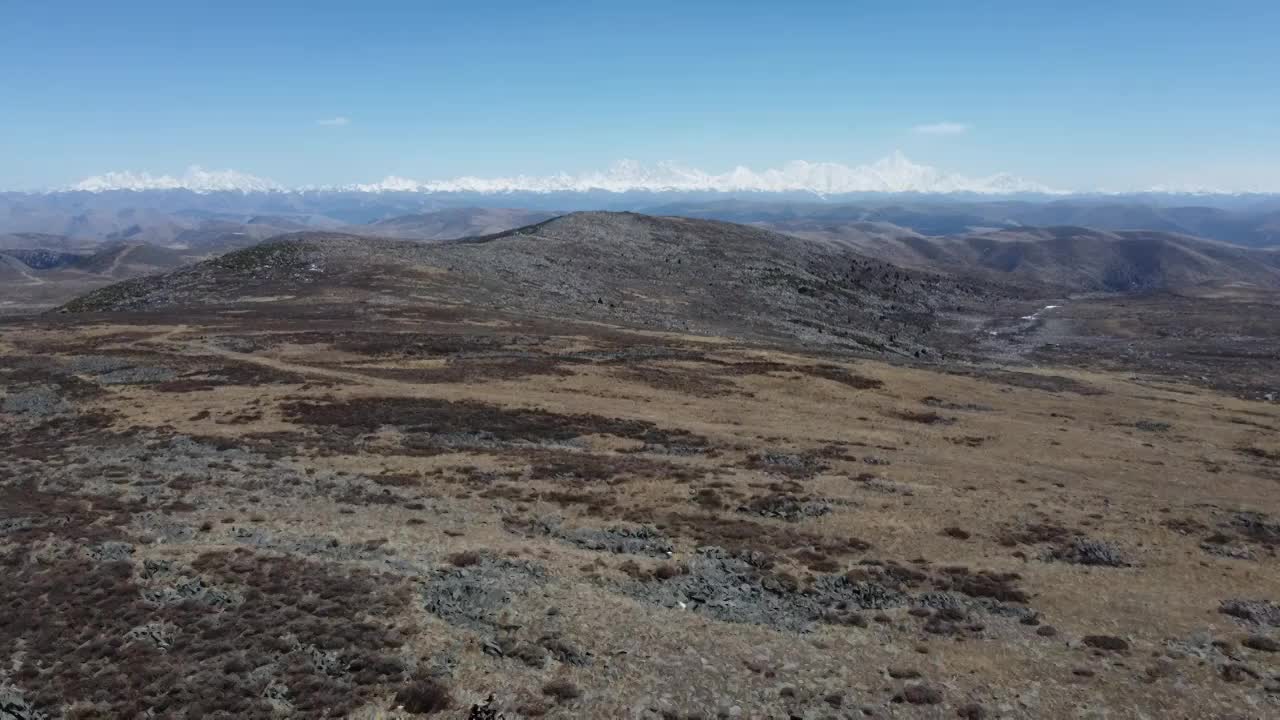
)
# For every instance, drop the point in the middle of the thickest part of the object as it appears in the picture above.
(893, 174)
(195, 179)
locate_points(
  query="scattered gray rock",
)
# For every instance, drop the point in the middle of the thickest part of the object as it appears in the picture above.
(239, 343)
(1258, 527)
(618, 539)
(329, 662)
(1238, 672)
(1258, 612)
(41, 401)
(137, 376)
(96, 364)
(797, 466)
(729, 588)
(159, 634)
(786, 507)
(14, 707)
(111, 552)
(163, 528)
(156, 568)
(1082, 551)
(675, 449)
(471, 596)
(8, 525)
(190, 589)
(1234, 552)
(642, 540)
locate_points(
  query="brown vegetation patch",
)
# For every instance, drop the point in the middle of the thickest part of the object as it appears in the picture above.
(1109, 643)
(54, 438)
(740, 535)
(1035, 533)
(835, 373)
(1257, 527)
(562, 465)
(786, 506)
(598, 504)
(941, 404)
(31, 515)
(1032, 381)
(982, 584)
(471, 370)
(31, 370)
(798, 466)
(424, 696)
(924, 418)
(476, 421)
(1259, 453)
(1185, 526)
(304, 634)
(207, 373)
(678, 380)
(841, 375)
(561, 690)
(412, 344)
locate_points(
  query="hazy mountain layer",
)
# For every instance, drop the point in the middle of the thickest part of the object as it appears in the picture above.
(1072, 258)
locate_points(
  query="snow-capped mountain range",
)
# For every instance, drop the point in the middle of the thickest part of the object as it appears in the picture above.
(195, 179)
(892, 174)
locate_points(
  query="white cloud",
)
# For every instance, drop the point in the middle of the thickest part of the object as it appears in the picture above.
(339, 121)
(941, 128)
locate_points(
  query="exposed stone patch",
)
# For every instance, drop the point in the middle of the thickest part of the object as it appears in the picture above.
(473, 596)
(1258, 612)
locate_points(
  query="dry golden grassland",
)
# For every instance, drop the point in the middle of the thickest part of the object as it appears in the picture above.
(211, 517)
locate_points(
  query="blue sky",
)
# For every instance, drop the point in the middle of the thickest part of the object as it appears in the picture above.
(1081, 95)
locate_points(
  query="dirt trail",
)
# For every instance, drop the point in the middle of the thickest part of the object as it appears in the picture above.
(115, 264)
(25, 272)
(302, 369)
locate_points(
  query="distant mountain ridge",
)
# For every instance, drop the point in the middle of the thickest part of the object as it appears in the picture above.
(892, 174)
(1254, 225)
(1074, 259)
(180, 218)
(37, 278)
(453, 223)
(110, 261)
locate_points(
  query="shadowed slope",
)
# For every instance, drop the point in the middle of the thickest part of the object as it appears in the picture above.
(663, 273)
(1070, 258)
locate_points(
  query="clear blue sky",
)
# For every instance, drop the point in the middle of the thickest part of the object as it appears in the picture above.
(1083, 94)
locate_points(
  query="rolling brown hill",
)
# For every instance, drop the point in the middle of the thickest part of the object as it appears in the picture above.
(663, 273)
